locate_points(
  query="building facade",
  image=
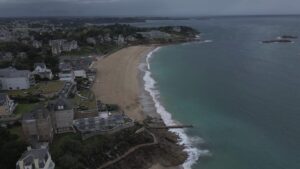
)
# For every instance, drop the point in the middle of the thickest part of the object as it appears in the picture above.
(37, 125)
(62, 45)
(13, 79)
(62, 115)
(81, 73)
(7, 106)
(66, 72)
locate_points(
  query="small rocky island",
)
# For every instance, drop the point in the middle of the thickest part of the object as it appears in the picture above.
(282, 39)
(288, 37)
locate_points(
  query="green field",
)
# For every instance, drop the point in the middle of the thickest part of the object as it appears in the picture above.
(44, 88)
(24, 108)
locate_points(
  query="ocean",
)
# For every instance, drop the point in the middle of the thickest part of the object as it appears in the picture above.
(242, 96)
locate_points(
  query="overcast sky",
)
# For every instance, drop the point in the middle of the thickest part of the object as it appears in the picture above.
(146, 7)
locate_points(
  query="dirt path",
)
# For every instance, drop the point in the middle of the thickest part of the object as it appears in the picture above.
(131, 151)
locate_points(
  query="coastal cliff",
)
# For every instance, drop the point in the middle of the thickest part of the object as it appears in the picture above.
(167, 153)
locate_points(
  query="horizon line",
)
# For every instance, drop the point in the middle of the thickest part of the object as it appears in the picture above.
(149, 16)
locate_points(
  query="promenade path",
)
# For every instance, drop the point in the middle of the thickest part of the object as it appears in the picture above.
(131, 150)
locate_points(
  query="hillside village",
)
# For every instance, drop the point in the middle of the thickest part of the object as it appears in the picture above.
(45, 107)
(45, 79)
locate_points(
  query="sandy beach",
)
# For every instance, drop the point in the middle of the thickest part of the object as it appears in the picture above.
(117, 79)
(118, 82)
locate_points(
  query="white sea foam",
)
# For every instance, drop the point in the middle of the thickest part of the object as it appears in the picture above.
(205, 41)
(150, 86)
(197, 42)
(208, 41)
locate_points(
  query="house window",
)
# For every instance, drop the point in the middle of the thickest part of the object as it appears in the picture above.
(60, 107)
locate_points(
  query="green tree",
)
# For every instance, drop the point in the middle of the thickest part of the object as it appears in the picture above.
(11, 149)
(52, 63)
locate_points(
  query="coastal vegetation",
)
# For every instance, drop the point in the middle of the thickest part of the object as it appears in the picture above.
(10, 148)
(69, 151)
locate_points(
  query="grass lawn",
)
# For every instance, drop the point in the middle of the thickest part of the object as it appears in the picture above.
(90, 103)
(40, 88)
(50, 87)
(24, 108)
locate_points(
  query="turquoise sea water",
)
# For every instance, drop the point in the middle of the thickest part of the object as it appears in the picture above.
(242, 96)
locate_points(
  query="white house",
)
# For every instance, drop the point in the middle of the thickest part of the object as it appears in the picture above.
(41, 70)
(67, 76)
(66, 72)
(35, 159)
(60, 45)
(13, 79)
(80, 73)
(81, 66)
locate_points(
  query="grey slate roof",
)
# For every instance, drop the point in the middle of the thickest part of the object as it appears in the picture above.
(30, 155)
(12, 72)
(81, 63)
(98, 123)
(55, 104)
(40, 112)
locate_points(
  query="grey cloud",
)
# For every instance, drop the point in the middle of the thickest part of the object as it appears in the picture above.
(41, 1)
(146, 7)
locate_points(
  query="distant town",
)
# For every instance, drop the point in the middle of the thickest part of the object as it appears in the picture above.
(50, 118)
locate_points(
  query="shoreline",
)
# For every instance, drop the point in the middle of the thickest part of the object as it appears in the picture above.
(117, 82)
(147, 101)
(120, 80)
(192, 153)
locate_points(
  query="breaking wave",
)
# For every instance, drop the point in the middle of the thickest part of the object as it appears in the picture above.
(150, 86)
